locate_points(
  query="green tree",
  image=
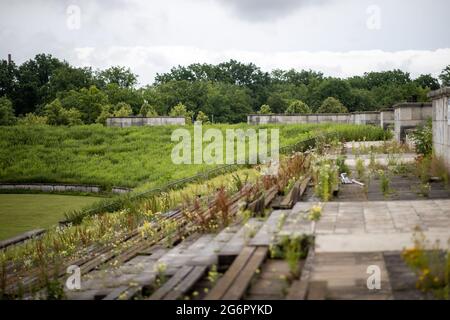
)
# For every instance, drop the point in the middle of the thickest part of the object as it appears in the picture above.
(298, 106)
(445, 76)
(202, 117)
(6, 112)
(121, 76)
(148, 110)
(265, 109)
(131, 96)
(88, 101)
(427, 81)
(332, 105)
(33, 76)
(277, 103)
(180, 110)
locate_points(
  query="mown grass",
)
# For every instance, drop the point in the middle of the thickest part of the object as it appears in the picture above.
(23, 212)
(94, 154)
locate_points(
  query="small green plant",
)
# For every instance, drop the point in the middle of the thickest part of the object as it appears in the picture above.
(161, 277)
(425, 189)
(315, 213)
(292, 249)
(384, 182)
(213, 274)
(326, 180)
(340, 163)
(360, 168)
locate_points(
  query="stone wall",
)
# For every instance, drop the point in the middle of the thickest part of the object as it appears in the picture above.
(51, 187)
(409, 115)
(441, 124)
(123, 122)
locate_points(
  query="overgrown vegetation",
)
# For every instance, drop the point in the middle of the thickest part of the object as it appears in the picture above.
(431, 263)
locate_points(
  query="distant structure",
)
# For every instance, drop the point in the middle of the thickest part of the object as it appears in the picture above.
(124, 122)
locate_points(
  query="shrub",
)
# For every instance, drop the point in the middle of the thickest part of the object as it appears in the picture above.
(57, 115)
(423, 138)
(202, 117)
(32, 119)
(147, 110)
(180, 110)
(332, 105)
(265, 109)
(6, 112)
(298, 106)
(123, 110)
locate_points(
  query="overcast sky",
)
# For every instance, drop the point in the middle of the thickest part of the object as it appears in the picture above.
(338, 37)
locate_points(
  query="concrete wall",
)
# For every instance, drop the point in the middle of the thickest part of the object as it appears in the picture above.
(50, 187)
(356, 117)
(409, 115)
(123, 122)
(387, 119)
(441, 125)
(298, 118)
(372, 118)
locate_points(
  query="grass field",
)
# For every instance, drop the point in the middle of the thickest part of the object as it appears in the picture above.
(23, 212)
(128, 157)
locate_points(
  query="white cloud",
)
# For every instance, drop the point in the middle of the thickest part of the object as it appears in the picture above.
(147, 61)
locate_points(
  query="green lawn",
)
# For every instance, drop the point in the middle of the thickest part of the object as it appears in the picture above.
(24, 212)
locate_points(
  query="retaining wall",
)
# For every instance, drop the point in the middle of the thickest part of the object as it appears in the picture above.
(123, 122)
(441, 125)
(50, 187)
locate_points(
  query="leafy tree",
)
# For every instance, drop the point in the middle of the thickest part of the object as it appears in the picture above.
(427, 81)
(57, 115)
(66, 78)
(147, 110)
(333, 87)
(6, 112)
(332, 105)
(227, 102)
(8, 78)
(32, 88)
(116, 94)
(180, 110)
(31, 119)
(123, 109)
(277, 103)
(265, 109)
(445, 76)
(298, 106)
(121, 76)
(88, 101)
(202, 117)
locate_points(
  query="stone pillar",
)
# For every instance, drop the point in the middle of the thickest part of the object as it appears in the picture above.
(409, 115)
(387, 118)
(441, 125)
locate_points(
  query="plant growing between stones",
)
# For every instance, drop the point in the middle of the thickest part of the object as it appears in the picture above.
(384, 182)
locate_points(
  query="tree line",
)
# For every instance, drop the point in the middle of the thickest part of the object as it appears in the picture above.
(47, 90)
